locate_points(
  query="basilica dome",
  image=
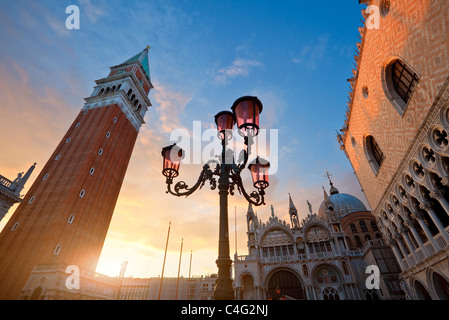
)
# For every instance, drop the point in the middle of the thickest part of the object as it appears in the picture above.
(343, 204)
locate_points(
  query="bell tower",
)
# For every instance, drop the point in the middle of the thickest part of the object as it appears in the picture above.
(64, 218)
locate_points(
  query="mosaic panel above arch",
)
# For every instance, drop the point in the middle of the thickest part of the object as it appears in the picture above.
(276, 237)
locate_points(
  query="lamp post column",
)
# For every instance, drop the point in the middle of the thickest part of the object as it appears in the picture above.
(223, 289)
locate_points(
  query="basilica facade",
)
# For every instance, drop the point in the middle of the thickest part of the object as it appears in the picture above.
(321, 257)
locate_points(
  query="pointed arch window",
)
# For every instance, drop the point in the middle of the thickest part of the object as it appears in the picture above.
(373, 153)
(358, 241)
(345, 267)
(399, 82)
(353, 228)
(404, 79)
(363, 226)
(305, 270)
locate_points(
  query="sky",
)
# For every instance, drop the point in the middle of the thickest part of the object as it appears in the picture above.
(295, 56)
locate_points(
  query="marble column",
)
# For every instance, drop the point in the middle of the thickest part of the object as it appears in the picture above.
(411, 247)
(411, 225)
(397, 237)
(428, 208)
(393, 244)
(419, 217)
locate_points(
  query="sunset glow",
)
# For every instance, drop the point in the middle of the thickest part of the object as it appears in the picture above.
(204, 55)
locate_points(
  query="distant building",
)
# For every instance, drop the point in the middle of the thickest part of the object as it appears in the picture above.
(396, 135)
(95, 286)
(322, 257)
(49, 282)
(10, 190)
(135, 289)
(195, 288)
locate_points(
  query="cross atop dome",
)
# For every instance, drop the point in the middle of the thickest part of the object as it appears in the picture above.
(332, 190)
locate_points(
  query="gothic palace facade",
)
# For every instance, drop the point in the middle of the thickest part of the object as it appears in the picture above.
(396, 135)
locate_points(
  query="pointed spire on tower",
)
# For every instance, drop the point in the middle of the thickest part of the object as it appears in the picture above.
(291, 205)
(251, 219)
(293, 212)
(329, 205)
(142, 58)
(250, 209)
(326, 197)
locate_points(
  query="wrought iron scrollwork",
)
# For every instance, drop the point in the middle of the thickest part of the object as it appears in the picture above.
(224, 165)
(206, 175)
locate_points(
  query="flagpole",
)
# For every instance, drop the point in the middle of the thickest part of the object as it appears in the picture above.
(179, 269)
(163, 265)
(188, 283)
(235, 228)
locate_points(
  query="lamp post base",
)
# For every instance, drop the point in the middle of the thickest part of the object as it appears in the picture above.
(223, 288)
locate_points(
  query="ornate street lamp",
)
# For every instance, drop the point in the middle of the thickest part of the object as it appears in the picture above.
(245, 112)
(172, 156)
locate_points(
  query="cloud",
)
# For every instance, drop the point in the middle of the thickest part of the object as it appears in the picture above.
(92, 11)
(32, 118)
(311, 54)
(239, 67)
(170, 106)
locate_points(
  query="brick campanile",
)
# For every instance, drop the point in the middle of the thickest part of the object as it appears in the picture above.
(66, 213)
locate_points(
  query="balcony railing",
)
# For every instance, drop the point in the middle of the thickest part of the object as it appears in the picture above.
(90, 275)
(372, 244)
(5, 182)
(419, 255)
(315, 255)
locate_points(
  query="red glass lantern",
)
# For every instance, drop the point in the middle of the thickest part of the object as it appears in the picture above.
(246, 111)
(172, 156)
(225, 122)
(259, 171)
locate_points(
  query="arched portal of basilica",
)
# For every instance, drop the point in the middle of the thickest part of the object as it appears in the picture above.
(285, 284)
